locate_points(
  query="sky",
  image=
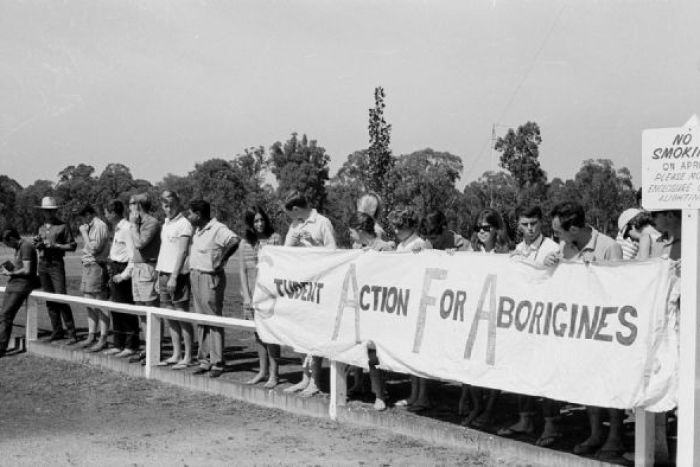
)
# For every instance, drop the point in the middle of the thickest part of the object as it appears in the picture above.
(160, 85)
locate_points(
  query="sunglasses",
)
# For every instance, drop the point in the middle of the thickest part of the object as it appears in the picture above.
(484, 228)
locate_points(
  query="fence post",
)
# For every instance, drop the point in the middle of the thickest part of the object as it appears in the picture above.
(32, 329)
(688, 453)
(152, 342)
(644, 431)
(339, 388)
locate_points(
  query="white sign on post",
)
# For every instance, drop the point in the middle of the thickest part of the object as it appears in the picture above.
(671, 167)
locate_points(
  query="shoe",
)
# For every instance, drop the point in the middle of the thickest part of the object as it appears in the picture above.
(100, 346)
(112, 351)
(200, 371)
(88, 342)
(180, 366)
(215, 372)
(55, 336)
(140, 357)
(125, 353)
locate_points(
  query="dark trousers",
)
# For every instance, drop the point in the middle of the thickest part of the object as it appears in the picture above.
(52, 275)
(10, 306)
(126, 326)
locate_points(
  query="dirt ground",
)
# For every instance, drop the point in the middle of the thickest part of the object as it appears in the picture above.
(58, 413)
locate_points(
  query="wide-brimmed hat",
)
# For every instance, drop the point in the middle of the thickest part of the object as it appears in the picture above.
(626, 216)
(49, 203)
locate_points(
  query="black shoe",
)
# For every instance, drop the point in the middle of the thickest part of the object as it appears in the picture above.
(215, 372)
(200, 371)
(56, 336)
(141, 356)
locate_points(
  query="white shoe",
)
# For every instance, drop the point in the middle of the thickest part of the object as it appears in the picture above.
(125, 353)
(111, 351)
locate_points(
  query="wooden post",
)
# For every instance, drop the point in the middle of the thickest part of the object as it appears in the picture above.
(644, 430)
(32, 329)
(152, 342)
(688, 395)
(339, 388)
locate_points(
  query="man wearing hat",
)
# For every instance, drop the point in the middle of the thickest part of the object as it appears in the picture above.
(52, 242)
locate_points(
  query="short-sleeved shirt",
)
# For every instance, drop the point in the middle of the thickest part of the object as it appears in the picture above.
(96, 250)
(56, 232)
(208, 245)
(170, 234)
(666, 247)
(600, 247)
(145, 235)
(319, 228)
(23, 283)
(122, 248)
(536, 251)
(413, 242)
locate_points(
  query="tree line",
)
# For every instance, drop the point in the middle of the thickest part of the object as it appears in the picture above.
(425, 179)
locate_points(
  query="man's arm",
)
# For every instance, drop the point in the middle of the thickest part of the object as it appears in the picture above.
(144, 233)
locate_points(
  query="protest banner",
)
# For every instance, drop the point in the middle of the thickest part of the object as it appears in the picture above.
(593, 334)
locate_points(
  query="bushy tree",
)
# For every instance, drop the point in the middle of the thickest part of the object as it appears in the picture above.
(9, 191)
(27, 217)
(301, 164)
(76, 187)
(520, 155)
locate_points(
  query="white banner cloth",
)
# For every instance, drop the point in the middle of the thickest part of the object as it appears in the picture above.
(592, 334)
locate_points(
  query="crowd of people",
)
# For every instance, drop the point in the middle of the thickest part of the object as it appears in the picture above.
(178, 263)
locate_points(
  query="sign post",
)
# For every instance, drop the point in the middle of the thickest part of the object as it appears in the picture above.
(671, 180)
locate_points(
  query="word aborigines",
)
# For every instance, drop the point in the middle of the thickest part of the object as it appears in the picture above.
(583, 320)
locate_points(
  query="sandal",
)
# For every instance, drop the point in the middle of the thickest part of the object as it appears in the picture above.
(546, 441)
(583, 449)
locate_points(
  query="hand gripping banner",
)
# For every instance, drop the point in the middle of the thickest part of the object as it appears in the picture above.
(597, 334)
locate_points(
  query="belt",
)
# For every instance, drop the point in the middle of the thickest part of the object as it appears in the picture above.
(209, 273)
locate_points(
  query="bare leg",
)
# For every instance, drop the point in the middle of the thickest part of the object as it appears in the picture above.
(174, 329)
(263, 361)
(594, 441)
(305, 378)
(187, 335)
(464, 401)
(273, 354)
(485, 419)
(613, 443)
(314, 386)
(92, 324)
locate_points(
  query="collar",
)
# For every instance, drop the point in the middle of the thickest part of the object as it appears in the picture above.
(174, 219)
(592, 242)
(534, 245)
(208, 226)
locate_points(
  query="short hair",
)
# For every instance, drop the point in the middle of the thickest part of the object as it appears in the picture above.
(8, 233)
(293, 199)
(141, 199)
(115, 206)
(570, 213)
(170, 194)
(403, 218)
(201, 207)
(435, 222)
(641, 220)
(251, 235)
(87, 209)
(528, 211)
(363, 222)
(370, 203)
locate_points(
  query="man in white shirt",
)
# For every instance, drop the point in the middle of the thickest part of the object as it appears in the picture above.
(308, 229)
(174, 276)
(93, 284)
(120, 267)
(212, 245)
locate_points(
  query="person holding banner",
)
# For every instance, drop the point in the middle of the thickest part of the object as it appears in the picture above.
(405, 222)
(174, 276)
(363, 232)
(440, 237)
(308, 229)
(533, 249)
(371, 204)
(22, 280)
(581, 242)
(489, 236)
(259, 232)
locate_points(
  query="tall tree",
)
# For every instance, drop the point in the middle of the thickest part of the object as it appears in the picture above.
(9, 191)
(27, 218)
(301, 164)
(520, 154)
(76, 186)
(115, 182)
(379, 160)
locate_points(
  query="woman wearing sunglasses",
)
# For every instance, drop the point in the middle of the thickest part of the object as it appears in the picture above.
(489, 236)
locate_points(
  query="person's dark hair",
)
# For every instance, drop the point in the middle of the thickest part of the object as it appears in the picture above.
(251, 235)
(170, 194)
(434, 223)
(494, 219)
(142, 201)
(201, 207)
(403, 218)
(528, 212)
(293, 199)
(115, 206)
(570, 213)
(8, 233)
(87, 209)
(362, 222)
(641, 220)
